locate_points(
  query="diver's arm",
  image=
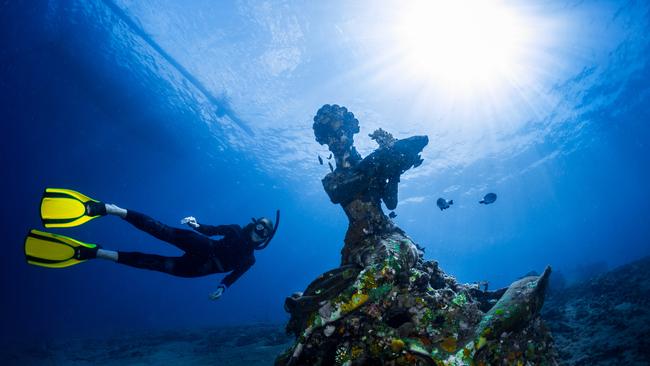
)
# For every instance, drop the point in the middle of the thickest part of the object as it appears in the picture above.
(228, 280)
(190, 221)
(217, 294)
(222, 230)
(238, 272)
(210, 230)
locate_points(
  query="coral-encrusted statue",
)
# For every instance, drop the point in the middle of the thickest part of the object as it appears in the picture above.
(385, 304)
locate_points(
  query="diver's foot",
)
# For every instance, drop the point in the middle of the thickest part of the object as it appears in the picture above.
(95, 208)
(102, 209)
(83, 253)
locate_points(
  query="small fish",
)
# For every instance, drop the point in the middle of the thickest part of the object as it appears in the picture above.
(331, 167)
(392, 215)
(320, 160)
(444, 204)
(489, 198)
(329, 157)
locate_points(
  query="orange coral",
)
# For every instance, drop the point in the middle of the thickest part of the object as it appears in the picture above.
(449, 344)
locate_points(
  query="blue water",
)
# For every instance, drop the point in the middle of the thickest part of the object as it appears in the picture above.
(87, 104)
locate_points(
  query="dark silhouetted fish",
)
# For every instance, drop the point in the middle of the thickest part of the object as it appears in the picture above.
(331, 167)
(489, 198)
(320, 160)
(392, 215)
(444, 204)
(329, 157)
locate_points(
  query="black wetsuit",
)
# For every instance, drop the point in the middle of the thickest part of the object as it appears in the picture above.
(203, 255)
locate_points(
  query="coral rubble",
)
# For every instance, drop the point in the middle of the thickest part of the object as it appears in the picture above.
(250, 345)
(604, 320)
(386, 304)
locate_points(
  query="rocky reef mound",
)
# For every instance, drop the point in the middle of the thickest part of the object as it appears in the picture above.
(386, 304)
(603, 321)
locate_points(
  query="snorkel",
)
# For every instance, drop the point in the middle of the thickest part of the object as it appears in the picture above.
(266, 242)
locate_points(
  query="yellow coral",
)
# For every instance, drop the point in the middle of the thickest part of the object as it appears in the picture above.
(420, 301)
(368, 280)
(356, 352)
(357, 300)
(481, 342)
(397, 344)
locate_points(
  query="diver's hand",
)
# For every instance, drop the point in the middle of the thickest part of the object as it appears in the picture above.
(190, 221)
(217, 294)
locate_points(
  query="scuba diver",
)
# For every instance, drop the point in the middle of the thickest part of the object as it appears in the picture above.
(202, 255)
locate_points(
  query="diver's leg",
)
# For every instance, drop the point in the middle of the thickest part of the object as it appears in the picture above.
(112, 209)
(185, 266)
(110, 255)
(94, 208)
(186, 240)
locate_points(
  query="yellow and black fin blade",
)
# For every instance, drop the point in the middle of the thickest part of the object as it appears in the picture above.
(56, 251)
(67, 208)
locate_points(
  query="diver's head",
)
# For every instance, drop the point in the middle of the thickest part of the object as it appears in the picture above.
(261, 230)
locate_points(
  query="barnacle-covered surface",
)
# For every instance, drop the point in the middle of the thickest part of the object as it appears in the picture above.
(386, 304)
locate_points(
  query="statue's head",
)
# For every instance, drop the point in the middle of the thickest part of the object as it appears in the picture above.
(335, 127)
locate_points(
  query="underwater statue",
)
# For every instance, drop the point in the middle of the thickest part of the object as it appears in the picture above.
(386, 305)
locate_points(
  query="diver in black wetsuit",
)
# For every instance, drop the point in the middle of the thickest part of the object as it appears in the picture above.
(203, 255)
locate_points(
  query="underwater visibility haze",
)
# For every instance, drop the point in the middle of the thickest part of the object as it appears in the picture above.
(536, 152)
